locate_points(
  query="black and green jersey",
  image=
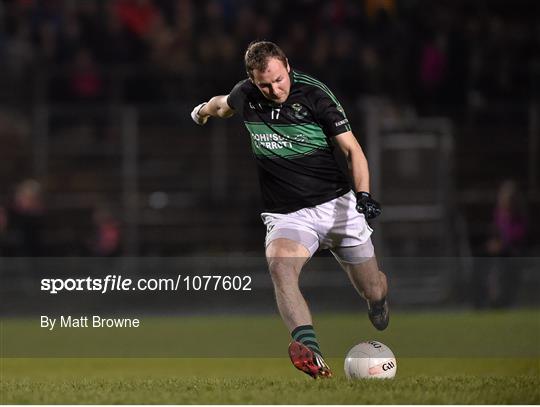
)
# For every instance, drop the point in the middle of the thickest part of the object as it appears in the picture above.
(292, 142)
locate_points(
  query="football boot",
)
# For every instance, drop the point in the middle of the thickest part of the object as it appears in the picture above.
(309, 362)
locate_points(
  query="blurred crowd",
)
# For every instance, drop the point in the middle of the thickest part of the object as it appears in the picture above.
(446, 52)
(23, 221)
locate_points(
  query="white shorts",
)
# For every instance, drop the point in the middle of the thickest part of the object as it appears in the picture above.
(331, 225)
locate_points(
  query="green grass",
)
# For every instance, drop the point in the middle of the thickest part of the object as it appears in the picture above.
(443, 358)
(419, 390)
(263, 381)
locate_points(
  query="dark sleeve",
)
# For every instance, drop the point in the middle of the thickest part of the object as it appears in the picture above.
(329, 113)
(236, 97)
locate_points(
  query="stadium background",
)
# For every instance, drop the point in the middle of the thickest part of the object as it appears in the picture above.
(103, 172)
(99, 157)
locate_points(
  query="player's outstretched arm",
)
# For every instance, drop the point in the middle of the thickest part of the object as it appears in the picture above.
(215, 107)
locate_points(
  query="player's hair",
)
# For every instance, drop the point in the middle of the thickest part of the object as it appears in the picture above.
(258, 53)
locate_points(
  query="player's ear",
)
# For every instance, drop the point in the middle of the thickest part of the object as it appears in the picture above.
(288, 66)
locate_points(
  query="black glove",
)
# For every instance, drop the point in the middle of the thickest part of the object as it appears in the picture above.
(367, 205)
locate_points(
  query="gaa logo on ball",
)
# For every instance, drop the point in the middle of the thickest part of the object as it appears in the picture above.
(370, 360)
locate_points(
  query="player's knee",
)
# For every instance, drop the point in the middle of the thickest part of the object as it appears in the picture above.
(282, 270)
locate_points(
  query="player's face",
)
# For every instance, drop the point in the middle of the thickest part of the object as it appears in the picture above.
(274, 82)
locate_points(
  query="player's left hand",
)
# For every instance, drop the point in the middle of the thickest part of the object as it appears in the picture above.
(197, 117)
(367, 205)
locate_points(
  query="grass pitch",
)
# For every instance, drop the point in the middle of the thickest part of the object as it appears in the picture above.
(445, 370)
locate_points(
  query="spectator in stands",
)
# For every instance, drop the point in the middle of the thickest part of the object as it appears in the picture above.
(85, 80)
(106, 240)
(3, 231)
(509, 222)
(374, 7)
(3, 219)
(19, 51)
(117, 45)
(433, 70)
(23, 219)
(498, 285)
(136, 15)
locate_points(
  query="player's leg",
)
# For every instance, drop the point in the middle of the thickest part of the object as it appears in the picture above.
(361, 266)
(350, 242)
(368, 280)
(286, 258)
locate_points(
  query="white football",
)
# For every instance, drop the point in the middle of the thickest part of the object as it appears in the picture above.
(370, 360)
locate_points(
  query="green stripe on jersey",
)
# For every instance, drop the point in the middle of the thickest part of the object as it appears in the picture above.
(285, 140)
(309, 80)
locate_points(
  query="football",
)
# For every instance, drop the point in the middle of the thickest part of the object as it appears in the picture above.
(370, 360)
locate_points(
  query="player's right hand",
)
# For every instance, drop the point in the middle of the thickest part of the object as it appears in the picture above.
(198, 118)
